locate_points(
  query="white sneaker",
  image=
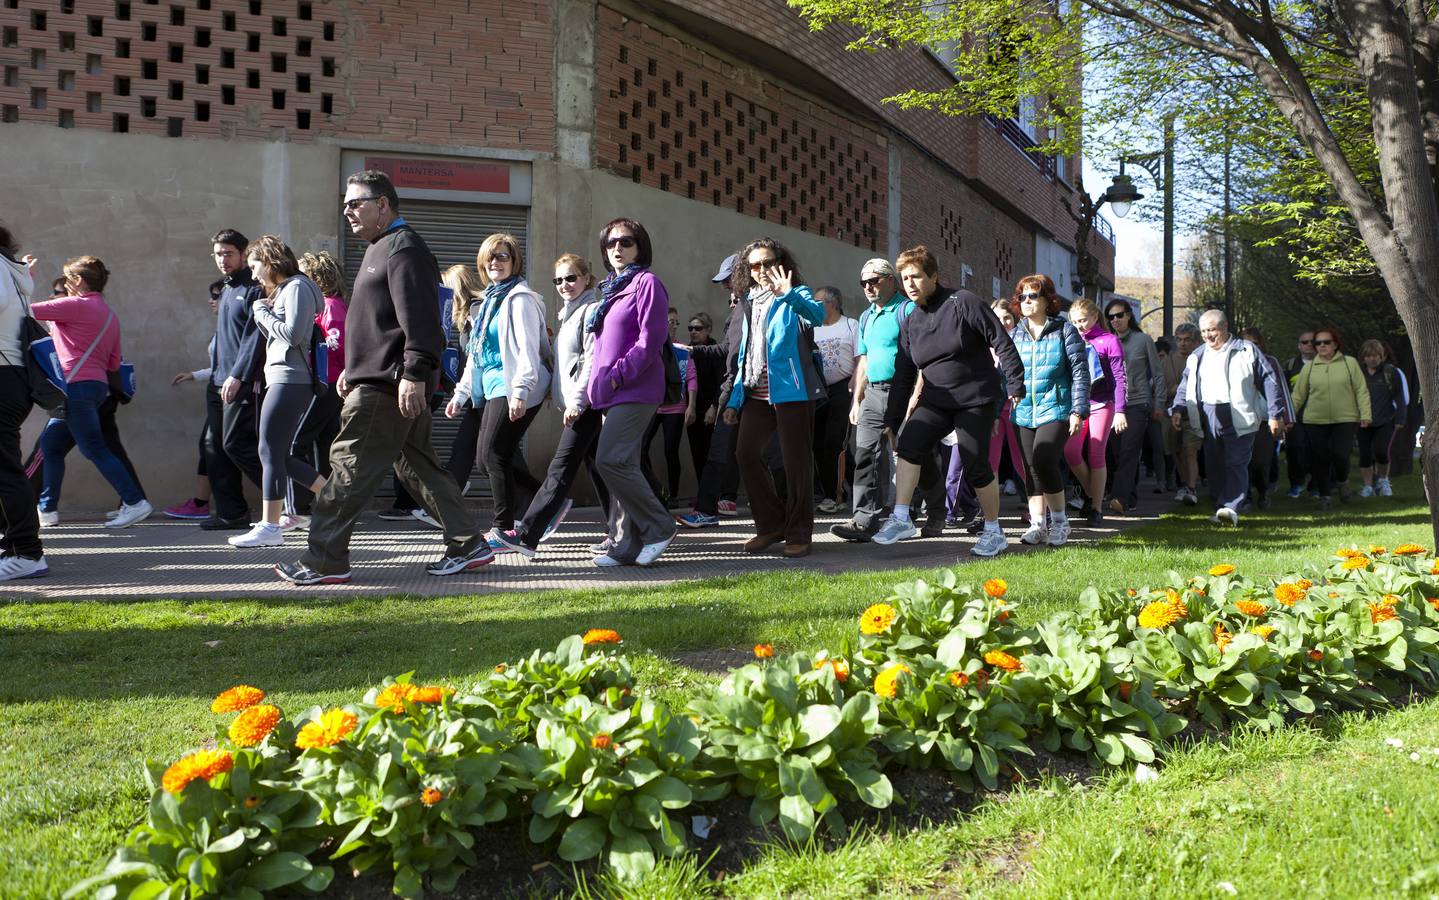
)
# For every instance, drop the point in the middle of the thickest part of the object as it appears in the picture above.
(129, 514)
(261, 534)
(1009, 488)
(651, 552)
(48, 519)
(425, 517)
(606, 561)
(1226, 516)
(1059, 533)
(1366, 491)
(1385, 488)
(16, 567)
(112, 513)
(893, 531)
(603, 547)
(289, 523)
(990, 543)
(1037, 534)
(826, 506)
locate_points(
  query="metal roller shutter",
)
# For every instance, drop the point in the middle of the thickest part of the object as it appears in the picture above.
(454, 232)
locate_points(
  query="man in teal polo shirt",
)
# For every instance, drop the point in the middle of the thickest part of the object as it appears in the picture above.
(878, 344)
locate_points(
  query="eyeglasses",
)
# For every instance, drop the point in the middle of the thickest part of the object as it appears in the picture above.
(1116, 315)
(696, 328)
(760, 264)
(1323, 343)
(1030, 295)
(566, 279)
(352, 205)
(1304, 343)
(872, 282)
(624, 241)
(501, 256)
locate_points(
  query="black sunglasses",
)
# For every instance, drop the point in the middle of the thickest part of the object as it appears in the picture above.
(566, 279)
(1303, 342)
(1116, 315)
(872, 282)
(1030, 295)
(1322, 343)
(756, 266)
(358, 202)
(624, 241)
(696, 328)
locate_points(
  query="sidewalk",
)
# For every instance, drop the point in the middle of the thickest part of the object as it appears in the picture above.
(165, 559)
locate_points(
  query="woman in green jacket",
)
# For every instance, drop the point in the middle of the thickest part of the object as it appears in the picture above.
(1333, 398)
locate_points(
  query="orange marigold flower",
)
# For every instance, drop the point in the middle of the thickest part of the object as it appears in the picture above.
(839, 666)
(1221, 569)
(1222, 637)
(1316, 655)
(601, 636)
(430, 693)
(430, 796)
(500, 668)
(1356, 562)
(1264, 631)
(202, 764)
(254, 725)
(1347, 553)
(1132, 592)
(763, 651)
(996, 587)
(252, 801)
(602, 741)
(393, 697)
(1173, 596)
(1001, 660)
(1252, 608)
(1434, 602)
(1391, 600)
(1434, 570)
(1381, 612)
(1408, 550)
(1288, 594)
(1161, 614)
(886, 683)
(239, 697)
(1304, 584)
(334, 726)
(1333, 595)
(1376, 550)
(958, 679)
(877, 619)
(1126, 690)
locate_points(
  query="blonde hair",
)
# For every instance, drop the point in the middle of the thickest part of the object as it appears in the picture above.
(91, 269)
(492, 245)
(1085, 305)
(277, 257)
(324, 270)
(580, 263)
(467, 287)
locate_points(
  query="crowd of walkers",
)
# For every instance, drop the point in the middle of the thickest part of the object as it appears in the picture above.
(919, 414)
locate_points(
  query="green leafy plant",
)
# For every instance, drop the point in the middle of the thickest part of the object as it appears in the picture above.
(518, 692)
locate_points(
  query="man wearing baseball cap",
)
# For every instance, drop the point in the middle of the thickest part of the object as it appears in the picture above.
(878, 343)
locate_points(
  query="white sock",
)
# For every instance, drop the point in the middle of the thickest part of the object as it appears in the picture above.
(1058, 517)
(993, 525)
(901, 512)
(270, 526)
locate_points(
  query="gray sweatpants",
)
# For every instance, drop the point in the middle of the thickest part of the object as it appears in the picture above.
(636, 516)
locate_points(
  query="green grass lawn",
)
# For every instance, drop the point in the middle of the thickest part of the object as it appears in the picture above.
(89, 690)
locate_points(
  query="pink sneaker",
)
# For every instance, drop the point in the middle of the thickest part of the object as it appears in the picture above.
(188, 510)
(727, 508)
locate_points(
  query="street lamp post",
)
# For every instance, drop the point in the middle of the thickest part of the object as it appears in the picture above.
(1160, 167)
(1121, 197)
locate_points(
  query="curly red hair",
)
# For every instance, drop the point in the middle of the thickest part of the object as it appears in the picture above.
(1045, 284)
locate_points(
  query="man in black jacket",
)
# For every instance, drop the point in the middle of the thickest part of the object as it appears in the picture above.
(393, 341)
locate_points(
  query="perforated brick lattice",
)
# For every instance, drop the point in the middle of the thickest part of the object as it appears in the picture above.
(1003, 260)
(951, 229)
(675, 118)
(186, 67)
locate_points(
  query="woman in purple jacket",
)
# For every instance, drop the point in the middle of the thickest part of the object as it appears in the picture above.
(630, 323)
(1107, 396)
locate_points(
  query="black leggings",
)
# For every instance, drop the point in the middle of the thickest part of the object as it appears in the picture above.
(673, 425)
(1374, 443)
(498, 441)
(927, 427)
(1330, 446)
(1043, 450)
(281, 412)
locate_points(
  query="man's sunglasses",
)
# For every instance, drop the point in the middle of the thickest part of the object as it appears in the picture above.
(352, 205)
(872, 282)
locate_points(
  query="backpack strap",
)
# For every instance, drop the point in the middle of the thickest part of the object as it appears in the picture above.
(109, 317)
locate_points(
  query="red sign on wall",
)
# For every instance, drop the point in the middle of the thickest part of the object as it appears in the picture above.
(443, 175)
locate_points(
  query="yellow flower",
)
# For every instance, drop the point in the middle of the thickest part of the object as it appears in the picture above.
(1221, 569)
(1173, 596)
(203, 764)
(1376, 550)
(239, 697)
(500, 668)
(839, 666)
(1131, 592)
(254, 725)
(1356, 562)
(1381, 612)
(1434, 602)
(1264, 631)
(996, 587)
(1408, 550)
(886, 683)
(1347, 553)
(877, 619)
(601, 636)
(1222, 637)
(430, 796)
(393, 697)
(1251, 608)
(334, 726)
(958, 679)
(1001, 660)
(1304, 584)
(431, 693)
(1434, 569)
(1391, 600)
(763, 651)
(1161, 614)
(601, 741)
(1288, 594)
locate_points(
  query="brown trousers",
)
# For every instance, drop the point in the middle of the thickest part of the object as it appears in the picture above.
(794, 423)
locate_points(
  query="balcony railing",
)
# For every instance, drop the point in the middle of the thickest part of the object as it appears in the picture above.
(1016, 136)
(1105, 230)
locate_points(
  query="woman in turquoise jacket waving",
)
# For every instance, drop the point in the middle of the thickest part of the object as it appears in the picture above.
(774, 391)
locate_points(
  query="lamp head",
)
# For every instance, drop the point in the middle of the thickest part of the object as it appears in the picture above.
(1122, 195)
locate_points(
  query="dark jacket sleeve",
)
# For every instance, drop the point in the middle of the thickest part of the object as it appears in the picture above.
(1269, 384)
(983, 320)
(1157, 387)
(1078, 358)
(250, 361)
(416, 296)
(906, 373)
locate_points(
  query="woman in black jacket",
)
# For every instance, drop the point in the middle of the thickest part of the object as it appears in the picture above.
(945, 380)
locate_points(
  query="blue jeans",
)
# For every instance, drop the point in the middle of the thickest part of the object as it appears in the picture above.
(81, 428)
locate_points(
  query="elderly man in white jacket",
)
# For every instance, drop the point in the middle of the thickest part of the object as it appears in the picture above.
(1226, 390)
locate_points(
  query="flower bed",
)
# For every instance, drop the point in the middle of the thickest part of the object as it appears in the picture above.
(940, 675)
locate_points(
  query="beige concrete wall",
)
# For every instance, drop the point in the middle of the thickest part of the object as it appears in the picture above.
(148, 206)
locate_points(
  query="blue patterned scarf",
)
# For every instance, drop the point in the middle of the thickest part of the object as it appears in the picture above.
(613, 285)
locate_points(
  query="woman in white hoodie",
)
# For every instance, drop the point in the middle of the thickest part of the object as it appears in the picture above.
(23, 556)
(507, 373)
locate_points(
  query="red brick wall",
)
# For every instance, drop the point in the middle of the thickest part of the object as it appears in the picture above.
(284, 69)
(672, 116)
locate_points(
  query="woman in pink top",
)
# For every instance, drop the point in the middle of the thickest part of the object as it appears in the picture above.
(1107, 395)
(318, 431)
(87, 339)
